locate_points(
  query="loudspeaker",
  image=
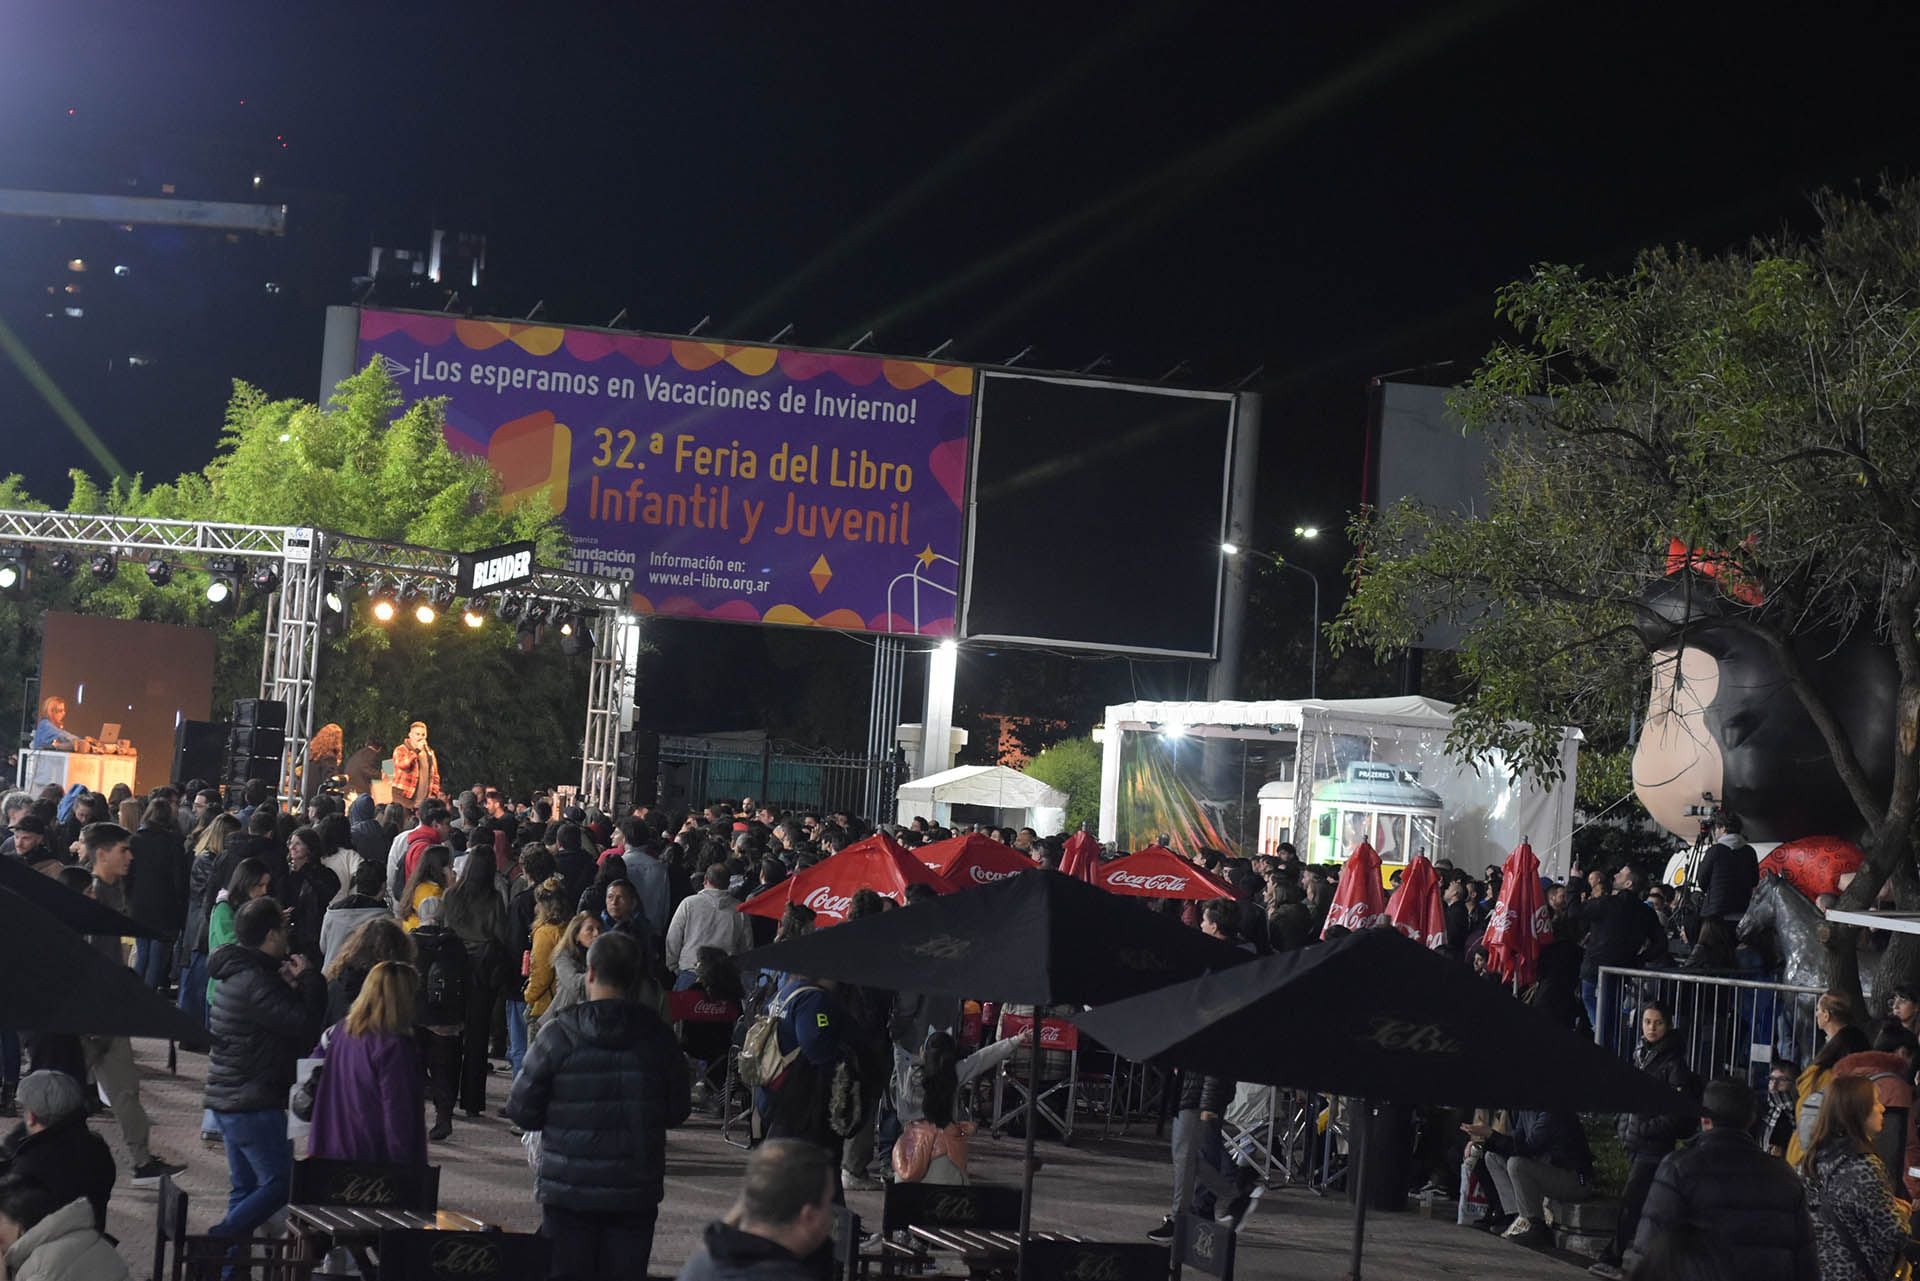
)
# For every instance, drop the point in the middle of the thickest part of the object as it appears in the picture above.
(199, 751)
(263, 713)
(253, 751)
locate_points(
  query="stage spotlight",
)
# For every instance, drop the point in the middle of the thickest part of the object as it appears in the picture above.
(223, 580)
(527, 636)
(104, 565)
(159, 573)
(419, 604)
(13, 572)
(265, 579)
(383, 606)
(334, 593)
(473, 615)
(506, 608)
(61, 563)
(536, 613)
(576, 636)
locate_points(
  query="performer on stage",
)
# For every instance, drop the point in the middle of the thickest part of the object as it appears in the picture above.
(416, 769)
(323, 759)
(51, 734)
(363, 766)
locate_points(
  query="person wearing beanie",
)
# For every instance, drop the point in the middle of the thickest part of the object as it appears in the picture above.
(53, 1146)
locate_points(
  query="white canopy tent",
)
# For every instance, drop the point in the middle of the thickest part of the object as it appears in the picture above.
(1014, 799)
(1489, 811)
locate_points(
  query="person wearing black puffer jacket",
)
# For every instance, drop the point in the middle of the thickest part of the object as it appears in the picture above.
(1545, 1156)
(266, 1013)
(603, 1083)
(1196, 1137)
(1648, 1136)
(1724, 1185)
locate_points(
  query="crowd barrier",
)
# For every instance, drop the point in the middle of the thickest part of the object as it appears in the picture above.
(1730, 1026)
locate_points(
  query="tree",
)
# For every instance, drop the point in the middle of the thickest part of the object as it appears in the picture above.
(365, 466)
(1757, 411)
(1074, 767)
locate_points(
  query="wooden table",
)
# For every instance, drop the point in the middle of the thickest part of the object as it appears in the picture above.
(983, 1252)
(357, 1230)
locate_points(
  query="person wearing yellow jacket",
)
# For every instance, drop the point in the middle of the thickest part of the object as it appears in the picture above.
(550, 916)
(1830, 1015)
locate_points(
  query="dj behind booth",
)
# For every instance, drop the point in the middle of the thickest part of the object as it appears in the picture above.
(61, 757)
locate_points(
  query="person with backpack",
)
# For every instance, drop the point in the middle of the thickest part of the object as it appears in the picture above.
(799, 1050)
(934, 1135)
(444, 979)
(1831, 1016)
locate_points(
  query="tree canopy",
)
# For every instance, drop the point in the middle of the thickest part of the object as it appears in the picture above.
(361, 465)
(1754, 414)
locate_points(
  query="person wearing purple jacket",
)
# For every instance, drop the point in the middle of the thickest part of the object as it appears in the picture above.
(370, 1104)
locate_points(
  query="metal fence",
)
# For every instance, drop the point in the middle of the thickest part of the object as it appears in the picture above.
(1730, 1026)
(698, 771)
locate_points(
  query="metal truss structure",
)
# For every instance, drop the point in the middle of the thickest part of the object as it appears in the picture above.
(309, 561)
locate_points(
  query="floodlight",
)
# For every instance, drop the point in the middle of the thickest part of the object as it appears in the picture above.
(265, 579)
(104, 565)
(13, 572)
(223, 580)
(61, 563)
(473, 615)
(159, 573)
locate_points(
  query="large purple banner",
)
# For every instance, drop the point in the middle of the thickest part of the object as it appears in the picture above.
(749, 484)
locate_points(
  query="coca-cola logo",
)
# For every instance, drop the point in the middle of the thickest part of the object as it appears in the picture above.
(986, 876)
(825, 902)
(1166, 881)
(1542, 922)
(1502, 919)
(1401, 1036)
(712, 1007)
(1353, 916)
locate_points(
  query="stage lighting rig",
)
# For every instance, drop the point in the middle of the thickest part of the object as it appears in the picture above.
(104, 565)
(159, 572)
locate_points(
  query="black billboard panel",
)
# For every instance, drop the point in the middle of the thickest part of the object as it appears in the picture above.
(1098, 512)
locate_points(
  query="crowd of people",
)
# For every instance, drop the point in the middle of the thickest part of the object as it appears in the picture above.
(522, 958)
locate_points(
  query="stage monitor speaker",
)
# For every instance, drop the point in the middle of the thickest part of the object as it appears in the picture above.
(199, 751)
(263, 713)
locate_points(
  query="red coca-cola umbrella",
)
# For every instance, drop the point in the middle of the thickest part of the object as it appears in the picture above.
(876, 863)
(1157, 872)
(1358, 901)
(973, 859)
(1520, 925)
(1081, 858)
(1415, 908)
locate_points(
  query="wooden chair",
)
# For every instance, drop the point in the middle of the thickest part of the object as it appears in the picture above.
(1052, 1260)
(1204, 1245)
(367, 1184)
(205, 1258)
(462, 1256)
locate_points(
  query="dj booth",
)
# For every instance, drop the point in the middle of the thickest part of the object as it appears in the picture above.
(98, 772)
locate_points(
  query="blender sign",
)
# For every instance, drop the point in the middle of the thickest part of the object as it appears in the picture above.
(495, 568)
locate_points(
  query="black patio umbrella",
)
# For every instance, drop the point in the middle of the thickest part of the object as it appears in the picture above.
(1038, 938)
(74, 910)
(1374, 1016)
(59, 982)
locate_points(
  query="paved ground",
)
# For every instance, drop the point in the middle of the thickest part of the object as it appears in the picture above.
(1116, 1189)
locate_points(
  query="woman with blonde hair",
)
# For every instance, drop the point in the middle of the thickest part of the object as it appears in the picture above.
(570, 962)
(370, 1101)
(1860, 1227)
(1833, 1017)
(549, 917)
(431, 876)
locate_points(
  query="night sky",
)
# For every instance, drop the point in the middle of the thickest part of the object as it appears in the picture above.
(1320, 195)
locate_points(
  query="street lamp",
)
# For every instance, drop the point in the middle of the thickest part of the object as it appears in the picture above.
(1313, 652)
